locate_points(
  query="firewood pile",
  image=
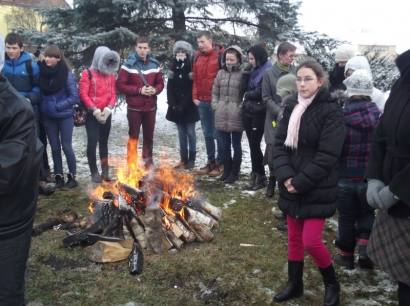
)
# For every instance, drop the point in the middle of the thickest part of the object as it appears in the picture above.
(158, 211)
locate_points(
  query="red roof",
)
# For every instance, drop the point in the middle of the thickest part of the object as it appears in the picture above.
(36, 3)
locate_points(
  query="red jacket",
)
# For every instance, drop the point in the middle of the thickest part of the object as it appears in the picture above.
(97, 92)
(204, 70)
(130, 83)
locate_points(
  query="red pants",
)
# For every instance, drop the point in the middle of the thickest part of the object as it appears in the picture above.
(307, 235)
(147, 120)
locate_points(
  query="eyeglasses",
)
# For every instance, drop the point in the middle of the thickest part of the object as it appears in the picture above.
(304, 80)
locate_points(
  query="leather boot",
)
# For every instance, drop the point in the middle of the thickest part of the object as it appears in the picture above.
(332, 286)
(234, 175)
(294, 288)
(227, 170)
(270, 189)
(260, 181)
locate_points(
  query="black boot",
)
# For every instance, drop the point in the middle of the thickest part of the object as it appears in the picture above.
(59, 181)
(403, 292)
(191, 160)
(71, 182)
(332, 286)
(294, 288)
(252, 179)
(234, 175)
(270, 189)
(364, 261)
(260, 181)
(227, 170)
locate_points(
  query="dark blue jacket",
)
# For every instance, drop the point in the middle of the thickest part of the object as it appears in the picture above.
(61, 104)
(16, 73)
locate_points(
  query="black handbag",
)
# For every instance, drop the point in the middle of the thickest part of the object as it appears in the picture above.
(254, 107)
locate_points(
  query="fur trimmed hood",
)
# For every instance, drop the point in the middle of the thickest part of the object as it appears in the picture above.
(105, 60)
(183, 46)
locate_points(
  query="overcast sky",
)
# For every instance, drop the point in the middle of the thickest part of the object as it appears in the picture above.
(360, 21)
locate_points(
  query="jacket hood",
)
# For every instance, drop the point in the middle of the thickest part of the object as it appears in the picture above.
(184, 46)
(237, 49)
(361, 115)
(133, 60)
(105, 60)
(24, 57)
(358, 62)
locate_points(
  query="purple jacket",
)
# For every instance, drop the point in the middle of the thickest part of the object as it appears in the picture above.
(361, 118)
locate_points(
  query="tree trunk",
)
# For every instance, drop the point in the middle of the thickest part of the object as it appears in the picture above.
(178, 18)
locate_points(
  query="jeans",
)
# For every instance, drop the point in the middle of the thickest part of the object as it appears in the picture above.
(356, 217)
(13, 259)
(306, 235)
(226, 139)
(254, 131)
(137, 119)
(206, 115)
(187, 139)
(60, 133)
(97, 133)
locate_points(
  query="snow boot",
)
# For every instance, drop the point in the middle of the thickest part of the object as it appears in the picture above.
(294, 287)
(332, 286)
(270, 189)
(71, 182)
(59, 181)
(234, 174)
(260, 181)
(345, 261)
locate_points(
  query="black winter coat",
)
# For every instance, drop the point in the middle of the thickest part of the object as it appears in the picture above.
(336, 78)
(313, 165)
(181, 108)
(390, 154)
(20, 157)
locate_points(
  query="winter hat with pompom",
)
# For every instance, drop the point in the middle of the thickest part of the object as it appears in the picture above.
(286, 85)
(343, 53)
(359, 84)
(1, 53)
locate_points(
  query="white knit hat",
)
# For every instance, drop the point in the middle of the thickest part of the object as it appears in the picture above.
(343, 53)
(359, 84)
(359, 62)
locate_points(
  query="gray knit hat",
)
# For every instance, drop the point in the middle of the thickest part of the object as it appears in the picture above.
(286, 85)
(359, 84)
(182, 46)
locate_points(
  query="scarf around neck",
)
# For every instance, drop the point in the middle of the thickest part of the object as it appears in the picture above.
(292, 136)
(52, 79)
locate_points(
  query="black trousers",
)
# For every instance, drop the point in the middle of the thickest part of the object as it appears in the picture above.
(13, 259)
(404, 294)
(254, 127)
(97, 133)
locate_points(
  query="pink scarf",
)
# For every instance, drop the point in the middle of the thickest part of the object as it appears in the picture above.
(292, 136)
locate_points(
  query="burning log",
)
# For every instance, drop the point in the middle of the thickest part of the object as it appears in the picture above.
(203, 231)
(178, 243)
(153, 224)
(214, 211)
(196, 217)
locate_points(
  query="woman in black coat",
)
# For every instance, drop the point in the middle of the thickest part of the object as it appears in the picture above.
(307, 147)
(181, 109)
(388, 184)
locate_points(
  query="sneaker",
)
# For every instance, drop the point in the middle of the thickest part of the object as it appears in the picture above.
(45, 188)
(71, 182)
(346, 261)
(216, 171)
(59, 181)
